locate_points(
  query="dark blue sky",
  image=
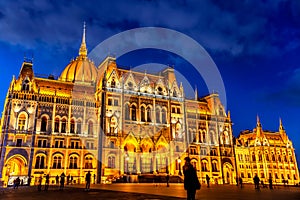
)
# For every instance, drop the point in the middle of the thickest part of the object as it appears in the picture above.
(255, 44)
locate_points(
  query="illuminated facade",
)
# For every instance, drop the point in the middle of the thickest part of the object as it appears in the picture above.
(114, 122)
(267, 154)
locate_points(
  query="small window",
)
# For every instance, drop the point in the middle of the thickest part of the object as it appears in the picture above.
(19, 143)
(116, 102)
(109, 102)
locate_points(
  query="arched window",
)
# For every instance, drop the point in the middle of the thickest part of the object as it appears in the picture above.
(40, 162)
(111, 162)
(133, 113)
(57, 160)
(174, 93)
(214, 166)
(157, 113)
(164, 116)
(78, 127)
(113, 125)
(204, 166)
(88, 163)
(21, 122)
(73, 162)
(113, 83)
(159, 91)
(25, 86)
(143, 114)
(126, 110)
(44, 124)
(90, 128)
(63, 125)
(253, 157)
(72, 126)
(56, 125)
(148, 114)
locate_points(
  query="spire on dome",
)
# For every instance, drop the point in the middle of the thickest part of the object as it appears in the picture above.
(258, 124)
(83, 49)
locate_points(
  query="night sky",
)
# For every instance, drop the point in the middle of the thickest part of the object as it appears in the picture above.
(255, 45)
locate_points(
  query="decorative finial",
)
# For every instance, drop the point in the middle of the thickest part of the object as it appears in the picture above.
(258, 124)
(280, 124)
(83, 49)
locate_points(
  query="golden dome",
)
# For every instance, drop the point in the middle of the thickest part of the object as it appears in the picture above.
(80, 70)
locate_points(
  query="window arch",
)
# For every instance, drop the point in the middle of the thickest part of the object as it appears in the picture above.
(22, 122)
(44, 123)
(63, 125)
(57, 162)
(164, 116)
(149, 114)
(113, 83)
(214, 166)
(88, 162)
(133, 113)
(253, 157)
(40, 162)
(79, 124)
(143, 114)
(111, 162)
(204, 166)
(73, 162)
(56, 125)
(72, 126)
(158, 115)
(90, 128)
(25, 85)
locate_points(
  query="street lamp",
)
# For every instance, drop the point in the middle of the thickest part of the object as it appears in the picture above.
(179, 161)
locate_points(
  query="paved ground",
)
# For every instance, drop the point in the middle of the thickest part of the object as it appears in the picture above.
(149, 192)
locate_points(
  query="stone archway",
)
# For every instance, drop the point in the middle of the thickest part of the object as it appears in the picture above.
(228, 173)
(15, 166)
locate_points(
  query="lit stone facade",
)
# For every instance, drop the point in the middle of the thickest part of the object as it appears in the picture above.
(267, 154)
(114, 122)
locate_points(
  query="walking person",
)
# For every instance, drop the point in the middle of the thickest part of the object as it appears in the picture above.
(88, 181)
(62, 181)
(207, 180)
(270, 183)
(191, 182)
(40, 184)
(168, 180)
(241, 182)
(47, 182)
(256, 182)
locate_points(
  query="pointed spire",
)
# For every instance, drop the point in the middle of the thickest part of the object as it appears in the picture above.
(280, 124)
(83, 49)
(258, 124)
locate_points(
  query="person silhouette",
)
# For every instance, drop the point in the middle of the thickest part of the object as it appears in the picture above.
(88, 181)
(190, 179)
(47, 182)
(62, 181)
(207, 180)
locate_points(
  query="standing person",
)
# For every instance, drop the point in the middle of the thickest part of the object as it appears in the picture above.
(168, 180)
(270, 183)
(207, 180)
(40, 183)
(47, 182)
(88, 181)
(241, 182)
(62, 181)
(256, 182)
(191, 182)
(18, 182)
(57, 179)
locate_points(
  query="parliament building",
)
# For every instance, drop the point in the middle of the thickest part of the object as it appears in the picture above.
(116, 123)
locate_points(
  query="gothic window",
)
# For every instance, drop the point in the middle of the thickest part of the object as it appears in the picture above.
(203, 137)
(63, 125)
(214, 166)
(143, 114)
(130, 86)
(267, 157)
(72, 126)
(133, 113)
(25, 86)
(174, 93)
(164, 116)
(148, 114)
(160, 91)
(204, 166)
(57, 160)
(78, 127)
(260, 157)
(90, 128)
(56, 125)
(113, 125)
(126, 110)
(21, 122)
(88, 163)
(273, 157)
(157, 113)
(40, 162)
(253, 157)
(113, 83)
(111, 162)
(73, 162)
(44, 124)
